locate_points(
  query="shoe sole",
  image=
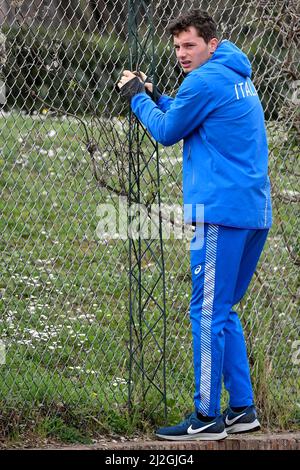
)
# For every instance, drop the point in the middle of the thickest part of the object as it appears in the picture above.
(196, 437)
(243, 427)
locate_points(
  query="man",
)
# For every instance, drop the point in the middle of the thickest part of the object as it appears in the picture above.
(225, 157)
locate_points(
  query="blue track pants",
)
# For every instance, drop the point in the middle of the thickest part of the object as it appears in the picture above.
(222, 269)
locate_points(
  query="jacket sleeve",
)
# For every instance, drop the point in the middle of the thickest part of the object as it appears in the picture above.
(187, 111)
(164, 102)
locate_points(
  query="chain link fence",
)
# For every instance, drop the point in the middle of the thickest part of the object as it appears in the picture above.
(65, 327)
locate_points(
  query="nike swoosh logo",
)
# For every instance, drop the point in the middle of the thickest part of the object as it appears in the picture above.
(233, 420)
(194, 431)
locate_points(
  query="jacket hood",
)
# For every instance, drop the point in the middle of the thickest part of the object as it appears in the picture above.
(232, 57)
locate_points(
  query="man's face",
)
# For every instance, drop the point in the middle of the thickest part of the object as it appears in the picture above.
(191, 50)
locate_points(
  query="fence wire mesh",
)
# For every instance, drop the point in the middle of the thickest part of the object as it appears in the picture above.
(64, 142)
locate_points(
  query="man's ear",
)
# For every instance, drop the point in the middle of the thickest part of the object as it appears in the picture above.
(213, 44)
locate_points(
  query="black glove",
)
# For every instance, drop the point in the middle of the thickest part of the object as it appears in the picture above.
(132, 88)
(146, 79)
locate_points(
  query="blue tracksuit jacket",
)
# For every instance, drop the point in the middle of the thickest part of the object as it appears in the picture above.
(225, 154)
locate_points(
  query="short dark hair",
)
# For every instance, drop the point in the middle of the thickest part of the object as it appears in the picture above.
(201, 20)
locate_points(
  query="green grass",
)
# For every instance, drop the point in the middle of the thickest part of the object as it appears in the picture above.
(65, 296)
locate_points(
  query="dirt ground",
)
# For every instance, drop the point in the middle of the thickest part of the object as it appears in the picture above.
(257, 441)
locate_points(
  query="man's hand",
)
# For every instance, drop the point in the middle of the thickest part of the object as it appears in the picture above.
(130, 85)
(126, 77)
(144, 79)
(148, 85)
(135, 82)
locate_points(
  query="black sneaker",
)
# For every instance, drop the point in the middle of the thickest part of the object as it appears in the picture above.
(194, 429)
(243, 421)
